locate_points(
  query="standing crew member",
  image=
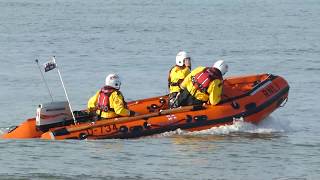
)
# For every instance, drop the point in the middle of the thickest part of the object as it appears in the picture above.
(202, 85)
(176, 75)
(108, 102)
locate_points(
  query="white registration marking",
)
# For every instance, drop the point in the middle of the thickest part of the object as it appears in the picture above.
(171, 117)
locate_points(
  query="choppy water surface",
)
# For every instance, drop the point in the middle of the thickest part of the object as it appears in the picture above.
(139, 40)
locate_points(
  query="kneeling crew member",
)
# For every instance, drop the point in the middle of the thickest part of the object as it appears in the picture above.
(108, 102)
(202, 85)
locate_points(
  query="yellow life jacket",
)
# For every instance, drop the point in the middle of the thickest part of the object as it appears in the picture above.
(176, 76)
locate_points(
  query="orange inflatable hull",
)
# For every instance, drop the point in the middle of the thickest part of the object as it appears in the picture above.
(248, 98)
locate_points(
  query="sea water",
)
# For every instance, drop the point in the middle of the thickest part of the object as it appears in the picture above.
(139, 41)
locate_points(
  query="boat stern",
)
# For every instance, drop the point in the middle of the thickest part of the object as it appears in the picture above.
(25, 130)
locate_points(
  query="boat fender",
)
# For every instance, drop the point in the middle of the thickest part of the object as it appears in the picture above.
(200, 118)
(189, 118)
(136, 129)
(250, 106)
(146, 125)
(235, 105)
(123, 129)
(60, 132)
(83, 136)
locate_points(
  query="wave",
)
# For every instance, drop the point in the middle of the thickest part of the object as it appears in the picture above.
(3, 130)
(270, 125)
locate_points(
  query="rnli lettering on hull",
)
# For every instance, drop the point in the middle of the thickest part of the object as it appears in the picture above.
(267, 89)
(270, 90)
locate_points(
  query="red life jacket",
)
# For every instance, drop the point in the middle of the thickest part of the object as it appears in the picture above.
(103, 102)
(202, 80)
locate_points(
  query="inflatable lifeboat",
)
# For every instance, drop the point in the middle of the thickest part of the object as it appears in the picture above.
(247, 98)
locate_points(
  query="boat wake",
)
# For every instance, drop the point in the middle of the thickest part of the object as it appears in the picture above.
(270, 125)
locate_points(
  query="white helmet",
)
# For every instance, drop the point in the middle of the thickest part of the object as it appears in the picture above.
(180, 57)
(113, 80)
(222, 66)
